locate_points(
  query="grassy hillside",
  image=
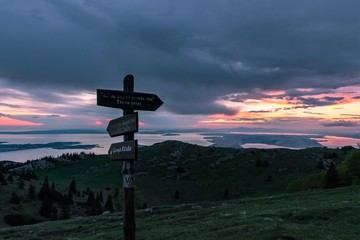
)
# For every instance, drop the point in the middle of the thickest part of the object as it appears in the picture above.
(320, 214)
(197, 173)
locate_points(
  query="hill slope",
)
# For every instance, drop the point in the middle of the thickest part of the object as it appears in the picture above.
(321, 214)
(196, 173)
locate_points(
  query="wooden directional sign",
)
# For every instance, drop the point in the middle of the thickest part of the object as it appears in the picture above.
(128, 100)
(124, 151)
(123, 125)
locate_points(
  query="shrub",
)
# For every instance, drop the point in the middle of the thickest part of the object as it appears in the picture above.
(332, 178)
(18, 220)
(349, 170)
(314, 181)
(14, 199)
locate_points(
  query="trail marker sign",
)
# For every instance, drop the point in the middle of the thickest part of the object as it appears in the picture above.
(123, 125)
(126, 151)
(128, 100)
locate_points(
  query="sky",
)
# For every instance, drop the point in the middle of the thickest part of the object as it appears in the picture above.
(284, 65)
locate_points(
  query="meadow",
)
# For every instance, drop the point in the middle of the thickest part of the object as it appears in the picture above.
(185, 190)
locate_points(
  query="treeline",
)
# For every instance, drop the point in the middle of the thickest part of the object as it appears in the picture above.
(345, 174)
(58, 205)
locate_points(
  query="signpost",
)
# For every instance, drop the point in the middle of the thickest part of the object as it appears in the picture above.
(126, 151)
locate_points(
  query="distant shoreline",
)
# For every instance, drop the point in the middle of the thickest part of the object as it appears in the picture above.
(52, 145)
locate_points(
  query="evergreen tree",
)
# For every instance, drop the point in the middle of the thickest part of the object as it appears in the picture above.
(14, 199)
(176, 195)
(10, 178)
(96, 208)
(101, 198)
(226, 193)
(332, 178)
(65, 211)
(109, 204)
(21, 184)
(53, 214)
(44, 190)
(70, 197)
(46, 207)
(73, 186)
(33, 175)
(91, 198)
(31, 191)
(53, 194)
(3, 180)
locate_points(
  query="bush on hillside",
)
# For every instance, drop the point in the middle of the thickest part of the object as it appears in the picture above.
(349, 170)
(314, 181)
(19, 220)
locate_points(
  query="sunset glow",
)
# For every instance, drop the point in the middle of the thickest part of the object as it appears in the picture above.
(246, 66)
(5, 121)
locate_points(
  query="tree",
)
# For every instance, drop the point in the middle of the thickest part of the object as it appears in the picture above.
(53, 214)
(31, 191)
(176, 195)
(73, 186)
(14, 199)
(91, 198)
(226, 193)
(96, 208)
(21, 184)
(64, 211)
(2, 179)
(70, 197)
(109, 204)
(332, 178)
(10, 178)
(46, 207)
(44, 190)
(101, 198)
(350, 168)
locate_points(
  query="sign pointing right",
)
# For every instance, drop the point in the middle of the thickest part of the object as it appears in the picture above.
(128, 100)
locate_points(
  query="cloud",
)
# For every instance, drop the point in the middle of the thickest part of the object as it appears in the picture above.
(315, 102)
(188, 55)
(340, 123)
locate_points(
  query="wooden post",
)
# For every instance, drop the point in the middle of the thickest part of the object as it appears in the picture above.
(128, 100)
(129, 176)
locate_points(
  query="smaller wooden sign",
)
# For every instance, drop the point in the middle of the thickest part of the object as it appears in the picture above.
(123, 125)
(124, 151)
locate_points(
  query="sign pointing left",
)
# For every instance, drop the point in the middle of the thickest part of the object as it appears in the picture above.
(124, 151)
(123, 125)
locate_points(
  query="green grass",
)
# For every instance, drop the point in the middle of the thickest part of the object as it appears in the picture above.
(321, 214)
(209, 172)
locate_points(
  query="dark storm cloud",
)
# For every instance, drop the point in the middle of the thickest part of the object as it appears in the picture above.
(340, 123)
(292, 93)
(316, 102)
(190, 53)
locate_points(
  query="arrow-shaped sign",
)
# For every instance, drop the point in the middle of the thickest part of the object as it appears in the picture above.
(128, 100)
(123, 125)
(123, 151)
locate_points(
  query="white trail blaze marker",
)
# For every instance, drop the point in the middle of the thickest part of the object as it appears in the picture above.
(126, 151)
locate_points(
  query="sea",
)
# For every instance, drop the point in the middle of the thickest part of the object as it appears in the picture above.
(103, 142)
